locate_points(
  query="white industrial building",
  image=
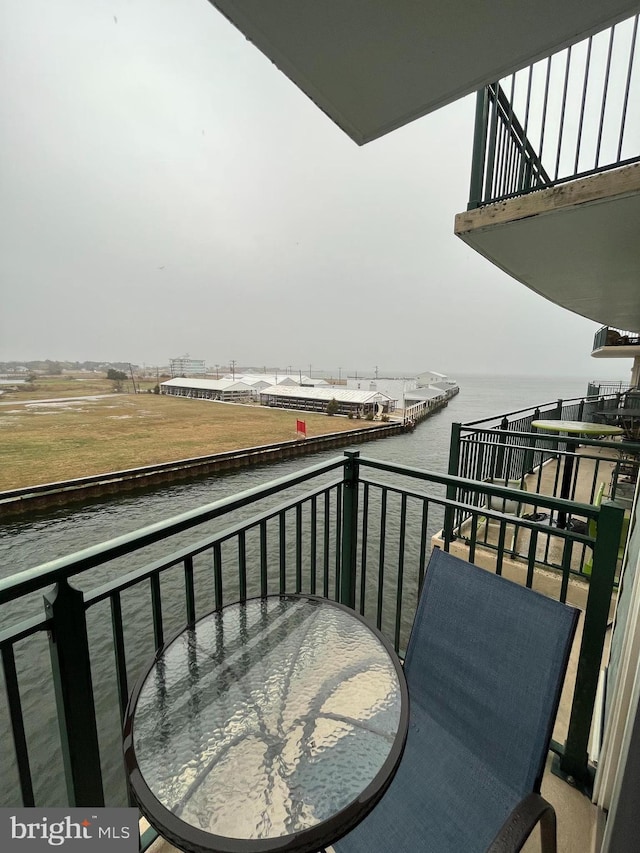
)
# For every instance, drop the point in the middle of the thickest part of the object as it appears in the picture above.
(316, 399)
(260, 381)
(208, 389)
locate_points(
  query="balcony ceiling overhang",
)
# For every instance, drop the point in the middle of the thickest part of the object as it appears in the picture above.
(617, 352)
(374, 66)
(576, 244)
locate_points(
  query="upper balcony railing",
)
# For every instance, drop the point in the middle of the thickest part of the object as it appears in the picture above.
(607, 336)
(354, 529)
(564, 117)
(608, 386)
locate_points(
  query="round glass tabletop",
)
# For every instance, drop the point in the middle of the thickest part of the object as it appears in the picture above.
(577, 427)
(273, 724)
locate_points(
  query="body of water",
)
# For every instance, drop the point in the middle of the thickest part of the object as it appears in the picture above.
(32, 541)
(27, 543)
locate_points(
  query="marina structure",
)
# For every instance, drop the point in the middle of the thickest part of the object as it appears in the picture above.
(416, 397)
(420, 402)
(431, 379)
(348, 402)
(260, 381)
(226, 390)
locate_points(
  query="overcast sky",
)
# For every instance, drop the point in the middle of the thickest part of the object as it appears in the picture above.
(166, 190)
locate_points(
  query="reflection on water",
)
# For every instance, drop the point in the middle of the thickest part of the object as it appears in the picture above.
(28, 543)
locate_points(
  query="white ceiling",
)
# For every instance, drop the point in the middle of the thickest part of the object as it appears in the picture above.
(374, 65)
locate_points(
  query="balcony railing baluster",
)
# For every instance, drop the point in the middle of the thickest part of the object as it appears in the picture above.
(73, 684)
(506, 163)
(156, 609)
(17, 724)
(119, 651)
(401, 557)
(217, 574)
(189, 590)
(264, 584)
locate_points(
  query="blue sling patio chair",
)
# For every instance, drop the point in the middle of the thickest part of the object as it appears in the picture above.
(485, 665)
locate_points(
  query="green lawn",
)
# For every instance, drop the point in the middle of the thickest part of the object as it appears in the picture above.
(47, 442)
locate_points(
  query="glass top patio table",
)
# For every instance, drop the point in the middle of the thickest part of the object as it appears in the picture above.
(274, 724)
(577, 427)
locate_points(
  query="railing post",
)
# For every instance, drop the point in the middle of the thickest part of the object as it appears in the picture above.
(529, 456)
(574, 761)
(454, 463)
(479, 149)
(71, 669)
(349, 529)
(498, 472)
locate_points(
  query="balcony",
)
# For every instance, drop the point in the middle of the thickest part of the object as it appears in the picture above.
(354, 529)
(556, 166)
(373, 67)
(615, 343)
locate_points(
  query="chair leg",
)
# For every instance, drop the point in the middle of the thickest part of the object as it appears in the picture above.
(548, 831)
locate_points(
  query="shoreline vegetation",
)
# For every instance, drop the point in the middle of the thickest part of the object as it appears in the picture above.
(50, 431)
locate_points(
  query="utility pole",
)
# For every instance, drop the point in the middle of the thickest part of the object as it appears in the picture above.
(376, 371)
(339, 374)
(232, 364)
(217, 371)
(133, 381)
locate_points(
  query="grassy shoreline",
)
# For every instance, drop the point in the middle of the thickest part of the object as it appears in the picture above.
(46, 442)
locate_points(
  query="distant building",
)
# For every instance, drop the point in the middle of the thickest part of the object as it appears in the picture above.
(430, 394)
(316, 399)
(260, 381)
(186, 366)
(266, 380)
(225, 390)
(432, 379)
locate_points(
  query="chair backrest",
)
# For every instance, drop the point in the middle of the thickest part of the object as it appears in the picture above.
(486, 659)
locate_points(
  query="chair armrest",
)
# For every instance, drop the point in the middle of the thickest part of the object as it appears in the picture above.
(520, 823)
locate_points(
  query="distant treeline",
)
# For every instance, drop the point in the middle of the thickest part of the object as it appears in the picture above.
(54, 368)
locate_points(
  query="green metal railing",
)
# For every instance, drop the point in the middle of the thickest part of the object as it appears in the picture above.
(354, 529)
(608, 336)
(507, 449)
(510, 433)
(599, 387)
(518, 459)
(562, 118)
(504, 447)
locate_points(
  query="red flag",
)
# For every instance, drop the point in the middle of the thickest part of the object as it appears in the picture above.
(301, 428)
